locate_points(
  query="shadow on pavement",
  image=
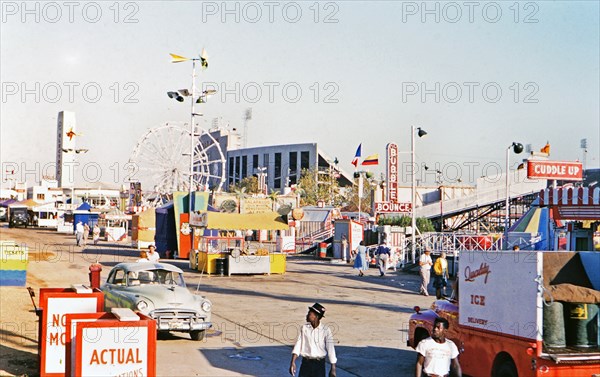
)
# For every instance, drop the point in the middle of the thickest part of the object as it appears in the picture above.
(275, 360)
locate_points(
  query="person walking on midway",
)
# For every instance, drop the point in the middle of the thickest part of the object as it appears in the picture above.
(425, 262)
(361, 263)
(86, 234)
(440, 275)
(96, 234)
(383, 255)
(437, 355)
(315, 341)
(78, 233)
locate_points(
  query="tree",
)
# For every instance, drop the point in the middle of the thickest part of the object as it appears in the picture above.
(314, 186)
(249, 183)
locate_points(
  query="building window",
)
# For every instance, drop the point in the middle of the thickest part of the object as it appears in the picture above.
(277, 165)
(293, 162)
(237, 169)
(244, 166)
(231, 167)
(305, 160)
(266, 163)
(254, 163)
(277, 183)
(40, 196)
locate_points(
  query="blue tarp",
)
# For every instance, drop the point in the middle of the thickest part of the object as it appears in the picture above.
(591, 263)
(165, 237)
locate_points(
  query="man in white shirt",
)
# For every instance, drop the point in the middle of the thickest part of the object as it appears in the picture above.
(425, 262)
(79, 233)
(437, 354)
(152, 255)
(315, 341)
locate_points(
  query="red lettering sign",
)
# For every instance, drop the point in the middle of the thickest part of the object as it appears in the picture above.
(392, 173)
(387, 207)
(563, 170)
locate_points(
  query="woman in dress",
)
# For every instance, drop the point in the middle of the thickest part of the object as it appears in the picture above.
(360, 263)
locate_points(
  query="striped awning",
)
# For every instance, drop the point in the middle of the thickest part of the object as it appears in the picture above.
(574, 203)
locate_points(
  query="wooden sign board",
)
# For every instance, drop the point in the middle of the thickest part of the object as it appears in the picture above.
(102, 345)
(55, 304)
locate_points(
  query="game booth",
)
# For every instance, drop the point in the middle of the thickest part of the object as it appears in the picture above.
(216, 249)
(581, 207)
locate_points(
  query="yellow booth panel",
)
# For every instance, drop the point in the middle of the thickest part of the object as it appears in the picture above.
(207, 263)
(278, 261)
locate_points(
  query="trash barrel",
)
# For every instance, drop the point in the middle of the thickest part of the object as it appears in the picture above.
(221, 268)
(581, 324)
(322, 250)
(554, 325)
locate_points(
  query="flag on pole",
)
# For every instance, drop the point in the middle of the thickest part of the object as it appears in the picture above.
(546, 148)
(371, 160)
(204, 59)
(356, 156)
(178, 58)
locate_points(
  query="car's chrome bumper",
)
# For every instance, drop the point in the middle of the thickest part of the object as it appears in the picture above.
(183, 324)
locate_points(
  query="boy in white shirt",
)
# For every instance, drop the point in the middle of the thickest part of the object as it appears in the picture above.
(437, 354)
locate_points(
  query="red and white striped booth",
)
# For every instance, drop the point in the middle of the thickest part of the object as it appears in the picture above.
(572, 203)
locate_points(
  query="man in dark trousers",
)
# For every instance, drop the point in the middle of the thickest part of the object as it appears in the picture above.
(315, 341)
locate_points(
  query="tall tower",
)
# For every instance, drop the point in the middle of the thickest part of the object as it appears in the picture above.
(65, 149)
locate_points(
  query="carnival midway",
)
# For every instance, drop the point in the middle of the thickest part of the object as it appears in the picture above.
(233, 218)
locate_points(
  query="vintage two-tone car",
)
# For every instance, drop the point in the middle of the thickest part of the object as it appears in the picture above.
(158, 291)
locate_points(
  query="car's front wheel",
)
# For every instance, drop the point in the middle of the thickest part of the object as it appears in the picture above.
(197, 334)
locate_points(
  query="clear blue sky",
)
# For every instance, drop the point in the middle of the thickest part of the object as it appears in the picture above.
(371, 66)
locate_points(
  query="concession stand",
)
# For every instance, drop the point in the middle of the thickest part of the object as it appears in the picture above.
(581, 207)
(217, 250)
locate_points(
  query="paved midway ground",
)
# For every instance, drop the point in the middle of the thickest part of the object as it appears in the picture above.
(256, 317)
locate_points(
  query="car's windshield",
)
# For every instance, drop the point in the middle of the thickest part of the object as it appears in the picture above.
(155, 277)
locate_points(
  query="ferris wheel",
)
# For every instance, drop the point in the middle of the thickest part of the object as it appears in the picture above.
(161, 160)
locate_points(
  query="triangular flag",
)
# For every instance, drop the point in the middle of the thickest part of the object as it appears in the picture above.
(356, 156)
(546, 149)
(178, 58)
(371, 160)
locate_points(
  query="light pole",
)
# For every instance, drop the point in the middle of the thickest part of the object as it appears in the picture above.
(517, 148)
(413, 221)
(203, 59)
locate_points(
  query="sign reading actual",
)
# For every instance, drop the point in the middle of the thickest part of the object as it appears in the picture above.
(564, 170)
(392, 173)
(388, 207)
(103, 345)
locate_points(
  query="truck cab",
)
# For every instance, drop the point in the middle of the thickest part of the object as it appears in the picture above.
(515, 314)
(18, 217)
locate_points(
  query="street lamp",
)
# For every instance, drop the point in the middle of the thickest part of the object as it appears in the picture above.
(413, 222)
(517, 148)
(179, 96)
(359, 175)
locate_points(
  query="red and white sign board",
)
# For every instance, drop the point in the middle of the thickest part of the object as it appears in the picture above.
(490, 283)
(100, 344)
(388, 207)
(563, 170)
(56, 303)
(392, 172)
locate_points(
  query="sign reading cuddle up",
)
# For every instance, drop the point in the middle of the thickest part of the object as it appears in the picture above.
(563, 170)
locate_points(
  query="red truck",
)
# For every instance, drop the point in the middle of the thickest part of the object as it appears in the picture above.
(521, 314)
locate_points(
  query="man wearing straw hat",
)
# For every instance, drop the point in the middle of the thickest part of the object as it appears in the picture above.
(315, 341)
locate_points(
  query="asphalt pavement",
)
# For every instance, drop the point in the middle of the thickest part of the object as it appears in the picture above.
(256, 317)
